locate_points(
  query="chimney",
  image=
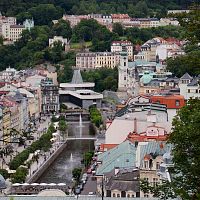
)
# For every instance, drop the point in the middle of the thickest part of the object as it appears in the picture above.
(135, 125)
(116, 170)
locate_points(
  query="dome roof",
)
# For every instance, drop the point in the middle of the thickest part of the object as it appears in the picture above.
(52, 193)
(146, 78)
(2, 182)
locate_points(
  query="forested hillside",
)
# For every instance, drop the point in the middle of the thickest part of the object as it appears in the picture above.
(135, 8)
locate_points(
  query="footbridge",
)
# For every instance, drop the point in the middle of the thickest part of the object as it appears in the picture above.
(81, 138)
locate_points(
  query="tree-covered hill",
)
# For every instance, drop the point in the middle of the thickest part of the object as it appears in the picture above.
(55, 8)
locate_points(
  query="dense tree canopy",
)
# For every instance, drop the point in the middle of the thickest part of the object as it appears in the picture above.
(188, 63)
(104, 78)
(185, 138)
(135, 8)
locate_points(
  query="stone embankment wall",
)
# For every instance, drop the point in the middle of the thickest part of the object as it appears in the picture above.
(46, 164)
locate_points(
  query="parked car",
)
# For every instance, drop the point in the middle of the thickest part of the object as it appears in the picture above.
(91, 194)
(81, 186)
(77, 191)
(89, 171)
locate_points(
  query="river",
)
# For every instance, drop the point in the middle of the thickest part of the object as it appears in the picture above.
(60, 170)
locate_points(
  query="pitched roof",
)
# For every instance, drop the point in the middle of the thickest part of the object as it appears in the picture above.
(154, 148)
(194, 82)
(123, 155)
(186, 76)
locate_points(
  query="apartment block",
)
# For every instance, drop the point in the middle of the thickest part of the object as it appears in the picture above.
(50, 97)
(13, 32)
(119, 46)
(91, 60)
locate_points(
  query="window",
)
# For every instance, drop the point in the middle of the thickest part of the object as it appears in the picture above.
(124, 63)
(157, 165)
(128, 195)
(177, 103)
(145, 164)
(146, 195)
(155, 182)
(114, 195)
(196, 91)
(188, 90)
(124, 77)
(147, 91)
(118, 195)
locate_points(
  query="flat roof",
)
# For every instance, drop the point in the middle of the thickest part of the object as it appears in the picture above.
(75, 85)
(83, 94)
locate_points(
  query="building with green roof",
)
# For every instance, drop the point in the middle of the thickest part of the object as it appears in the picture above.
(123, 155)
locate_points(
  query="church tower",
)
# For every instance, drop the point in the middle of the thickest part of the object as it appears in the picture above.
(123, 72)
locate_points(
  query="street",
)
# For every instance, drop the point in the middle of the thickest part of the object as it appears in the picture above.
(90, 186)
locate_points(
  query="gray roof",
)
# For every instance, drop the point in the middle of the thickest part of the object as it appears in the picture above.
(186, 76)
(77, 78)
(70, 198)
(154, 148)
(125, 180)
(194, 82)
(2, 182)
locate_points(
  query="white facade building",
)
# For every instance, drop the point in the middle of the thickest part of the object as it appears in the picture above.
(90, 60)
(189, 86)
(13, 32)
(119, 46)
(64, 41)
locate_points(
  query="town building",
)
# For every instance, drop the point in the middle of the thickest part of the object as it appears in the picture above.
(122, 182)
(56, 39)
(86, 60)
(173, 103)
(149, 159)
(6, 122)
(130, 74)
(158, 49)
(50, 97)
(107, 59)
(189, 86)
(79, 93)
(13, 32)
(169, 21)
(119, 46)
(138, 118)
(90, 60)
(120, 18)
(6, 20)
(74, 19)
(146, 22)
(177, 11)
(8, 74)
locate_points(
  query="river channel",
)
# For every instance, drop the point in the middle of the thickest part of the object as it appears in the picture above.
(60, 170)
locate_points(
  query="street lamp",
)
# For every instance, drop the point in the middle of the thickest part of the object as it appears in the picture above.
(102, 189)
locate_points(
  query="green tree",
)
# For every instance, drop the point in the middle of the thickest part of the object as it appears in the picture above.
(4, 173)
(76, 173)
(190, 21)
(118, 29)
(87, 158)
(20, 175)
(62, 125)
(187, 63)
(43, 14)
(55, 53)
(185, 137)
(62, 28)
